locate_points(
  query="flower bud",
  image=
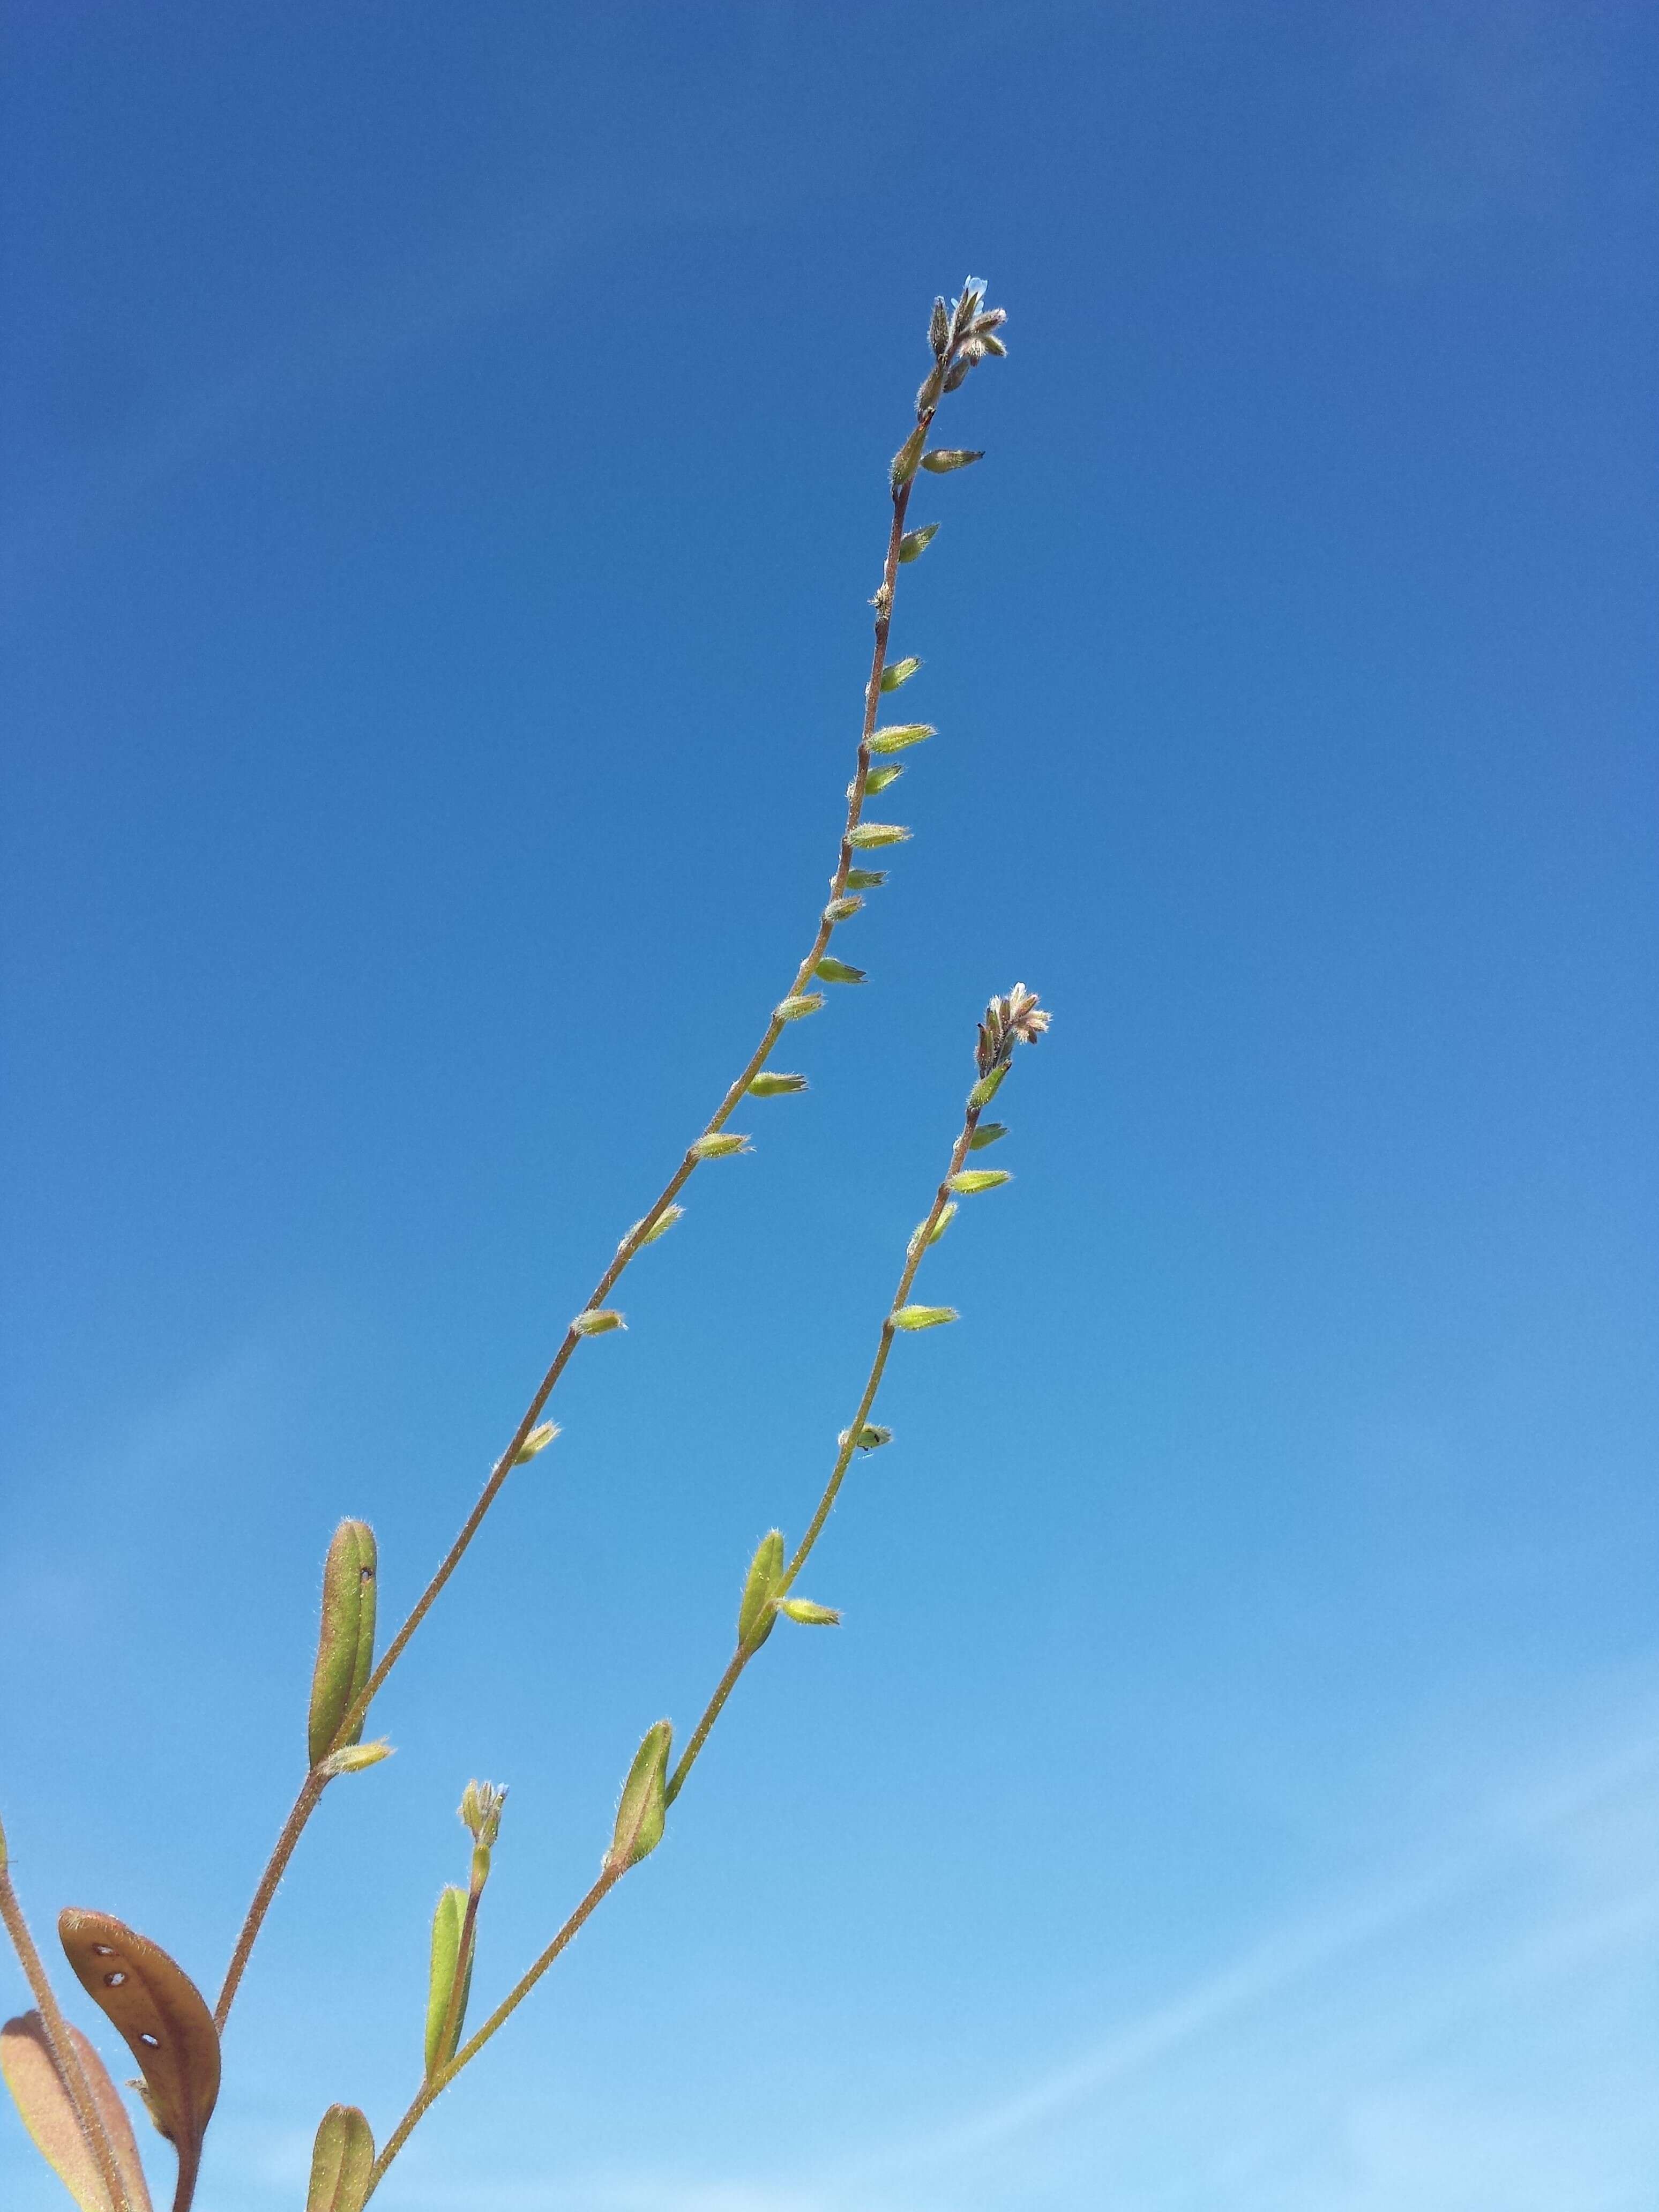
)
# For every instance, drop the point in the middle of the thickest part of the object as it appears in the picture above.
(341, 2159)
(345, 1642)
(448, 1922)
(866, 879)
(353, 1758)
(841, 909)
(870, 834)
(897, 735)
(756, 1616)
(944, 458)
(901, 671)
(771, 1083)
(809, 1615)
(480, 1811)
(598, 1321)
(640, 1813)
(536, 1441)
(939, 330)
(719, 1145)
(988, 1133)
(837, 971)
(871, 1437)
(914, 543)
(914, 1317)
(968, 1180)
(797, 1008)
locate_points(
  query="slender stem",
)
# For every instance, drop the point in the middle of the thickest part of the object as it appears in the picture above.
(305, 1804)
(61, 2045)
(436, 2084)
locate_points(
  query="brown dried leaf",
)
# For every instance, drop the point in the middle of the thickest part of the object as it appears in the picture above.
(26, 2062)
(166, 2023)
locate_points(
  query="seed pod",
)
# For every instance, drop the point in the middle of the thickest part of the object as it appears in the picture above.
(164, 2021)
(809, 1615)
(771, 1083)
(988, 1133)
(341, 2159)
(968, 1180)
(837, 971)
(719, 1145)
(914, 1317)
(345, 1642)
(944, 458)
(640, 1813)
(660, 1227)
(870, 834)
(878, 779)
(536, 1441)
(353, 1758)
(44, 2106)
(922, 1234)
(799, 1004)
(841, 909)
(598, 1321)
(756, 1616)
(914, 543)
(897, 735)
(901, 671)
(871, 1437)
(448, 1922)
(866, 879)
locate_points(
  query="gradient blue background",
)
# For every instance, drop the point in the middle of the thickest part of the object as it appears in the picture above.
(445, 453)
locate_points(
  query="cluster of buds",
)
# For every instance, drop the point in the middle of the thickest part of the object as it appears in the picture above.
(961, 336)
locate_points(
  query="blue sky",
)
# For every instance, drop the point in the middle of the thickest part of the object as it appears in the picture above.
(445, 454)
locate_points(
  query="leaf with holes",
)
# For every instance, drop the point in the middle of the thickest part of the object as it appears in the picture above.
(165, 2021)
(26, 2060)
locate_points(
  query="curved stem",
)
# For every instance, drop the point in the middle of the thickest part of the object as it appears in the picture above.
(61, 2045)
(305, 1804)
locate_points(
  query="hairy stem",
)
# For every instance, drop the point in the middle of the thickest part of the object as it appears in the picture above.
(61, 2045)
(305, 1804)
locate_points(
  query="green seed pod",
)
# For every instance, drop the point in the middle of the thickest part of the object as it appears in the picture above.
(895, 736)
(869, 834)
(660, 1227)
(987, 1086)
(641, 1811)
(448, 1922)
(353, 1758)
(871, 1437)
(914, 1317)
(899, 673)
(598, 1321)
(866, 879)
(944, 458)
(536, 1441)
(756, 1616)
(341, 2159)
(968, 1180)
(988, 1133)
(837, 971)
(809, 1615)
(799, 1005)
(773, 1084)
(904, 461)
(345, 1642)
(879, 778)
(841, 909)
(719, 1145)
(922, 1234)
(914, 543)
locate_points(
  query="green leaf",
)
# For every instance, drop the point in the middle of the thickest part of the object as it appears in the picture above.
(341, 2159)
(944, 458)
(897, 735)
(878, 779)
(988, 1133)
(914, 1317)
(448, 1922)
(968, 1180)
(987, 1086)
(904, 461)
(353, 1758)
(47, 2112)
(837, 971)
(345, 1642)
(809, 1615)
(598, 1321)
(640, 1814)
(914, 543)
(719, 1145)
(870, 834)
(756, 1616)
(866, 879)
(899, 673)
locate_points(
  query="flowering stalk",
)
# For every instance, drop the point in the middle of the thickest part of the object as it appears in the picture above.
(960, 335)
(1008, 1021)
